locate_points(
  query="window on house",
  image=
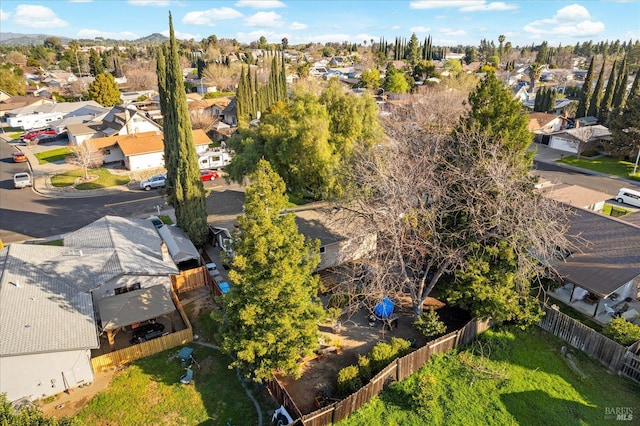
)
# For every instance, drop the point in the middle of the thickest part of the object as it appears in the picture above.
(107, 152)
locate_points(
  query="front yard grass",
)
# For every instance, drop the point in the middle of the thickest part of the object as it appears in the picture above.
(508, 377)
(148, 392)
(606, 165)
(105, 179)
(53, 156)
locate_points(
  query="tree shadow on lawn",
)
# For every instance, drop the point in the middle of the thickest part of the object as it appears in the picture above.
(215, 385)
(536, 407)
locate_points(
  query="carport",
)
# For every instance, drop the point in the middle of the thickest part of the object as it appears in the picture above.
(133, 307)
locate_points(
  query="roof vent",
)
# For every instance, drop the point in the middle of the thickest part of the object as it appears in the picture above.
(15, 283)
(74, 252)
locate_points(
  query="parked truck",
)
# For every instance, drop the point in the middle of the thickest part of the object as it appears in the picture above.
(214, 159)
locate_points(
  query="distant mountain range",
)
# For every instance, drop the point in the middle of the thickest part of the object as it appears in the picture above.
(17, 39)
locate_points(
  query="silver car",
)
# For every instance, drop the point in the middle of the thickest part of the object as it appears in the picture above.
(157, 181)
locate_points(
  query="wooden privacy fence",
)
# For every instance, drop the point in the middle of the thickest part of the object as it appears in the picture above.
(141, 350)
(397, 370)
(190, 279)
(613, 355)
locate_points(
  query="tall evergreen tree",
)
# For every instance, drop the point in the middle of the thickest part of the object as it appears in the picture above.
(621, 89)
(494, 111)
(185, 189)
(271, 313)
(168, 119)
(553, 96)
(596, 98)
(605, 104)
(585, 97)
(104, 90)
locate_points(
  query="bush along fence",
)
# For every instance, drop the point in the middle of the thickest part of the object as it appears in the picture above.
(614, 356)
(397, 370)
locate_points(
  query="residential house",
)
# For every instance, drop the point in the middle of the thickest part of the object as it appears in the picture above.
(577, 196)
(37, 116)
(340, 241)
(118, 121)
(56, 301)
(602, 272)
(58, 78)
(229, 114)
(131, 97)
(140, 151)
(212, 108)
(15, 102)
(543, 124)
(579, 138)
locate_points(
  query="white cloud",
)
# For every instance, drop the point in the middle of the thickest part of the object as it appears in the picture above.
(573, 20)
(157, 3)
(91, 34)
(265, 19)
(183, 36)
(452, 32)
(208, 17)
(4, 15)
(260, 4)
(395, 27)
(34, 16)
(298, 26)
(419, 29)
(461, 5)
(80, 1)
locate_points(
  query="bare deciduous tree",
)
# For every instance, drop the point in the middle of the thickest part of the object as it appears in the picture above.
(431, 198)
(202, 120)
(141, 79)
(222, 76)
(86, 156)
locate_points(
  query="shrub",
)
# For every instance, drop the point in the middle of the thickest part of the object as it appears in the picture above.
(349, 380)
(622, 331)
(429, 323)
(364, 366)
(383, 353)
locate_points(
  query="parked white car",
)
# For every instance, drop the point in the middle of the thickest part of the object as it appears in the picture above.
(22, 180)
(157, 181)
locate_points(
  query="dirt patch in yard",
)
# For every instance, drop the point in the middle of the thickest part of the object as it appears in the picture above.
(356, 337)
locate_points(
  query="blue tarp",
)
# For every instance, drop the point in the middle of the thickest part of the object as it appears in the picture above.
(384, 308)
(224, 287)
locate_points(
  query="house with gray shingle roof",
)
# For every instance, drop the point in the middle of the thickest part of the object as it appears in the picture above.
(56, 301)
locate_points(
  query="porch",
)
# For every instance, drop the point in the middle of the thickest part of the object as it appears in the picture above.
(600, 309)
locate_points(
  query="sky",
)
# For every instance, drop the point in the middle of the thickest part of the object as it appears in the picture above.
(448, 22)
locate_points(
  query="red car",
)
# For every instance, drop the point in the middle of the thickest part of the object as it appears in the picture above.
(19, 157)
(208, 175)
(39, 134)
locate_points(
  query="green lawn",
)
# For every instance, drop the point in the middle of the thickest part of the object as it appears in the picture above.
(106, 179)
(52, 156)
(522, 379)
(148, 392)
(606, 165)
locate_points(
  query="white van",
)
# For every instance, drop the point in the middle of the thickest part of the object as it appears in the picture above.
(628, 196)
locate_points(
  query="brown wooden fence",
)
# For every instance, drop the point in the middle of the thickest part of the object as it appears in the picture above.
(397, 370)
(141, 350)
(613, 355)
(578, 335)
(190, 279)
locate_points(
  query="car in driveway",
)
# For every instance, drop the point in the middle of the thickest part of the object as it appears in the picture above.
(22, 180)
(19, 157)
(206, 175)
(39, 134)
(156, 181)
(147, 332)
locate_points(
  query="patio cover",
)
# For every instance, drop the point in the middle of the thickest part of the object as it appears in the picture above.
(179, 245)
(134, 306)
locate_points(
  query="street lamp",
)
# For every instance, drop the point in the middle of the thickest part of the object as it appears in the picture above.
(634, 130)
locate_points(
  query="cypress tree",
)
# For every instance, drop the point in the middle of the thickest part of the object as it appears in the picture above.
(187, 194)
(605, 103)
(241, 103)
(621, 86)
(536, 102)
(553, 95)
(168, 122)
(596, 98)
(284, 94)
(585, 97)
